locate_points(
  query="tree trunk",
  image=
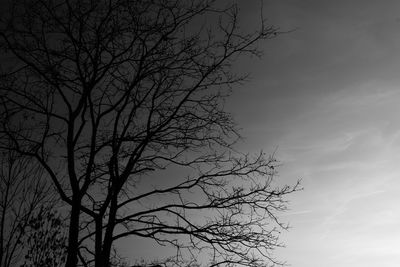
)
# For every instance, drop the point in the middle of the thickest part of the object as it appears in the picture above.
(73, 235)
(107, 244)
(99, 259)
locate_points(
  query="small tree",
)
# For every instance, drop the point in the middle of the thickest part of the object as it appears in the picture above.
(22, 190)
(120, 91)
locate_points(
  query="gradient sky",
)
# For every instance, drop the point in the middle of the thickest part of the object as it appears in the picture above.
(327, 96)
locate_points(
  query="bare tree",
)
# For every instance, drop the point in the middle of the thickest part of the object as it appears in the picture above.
(22, 191)
(117, 93)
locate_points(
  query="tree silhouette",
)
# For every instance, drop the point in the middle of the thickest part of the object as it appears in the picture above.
(113, 94)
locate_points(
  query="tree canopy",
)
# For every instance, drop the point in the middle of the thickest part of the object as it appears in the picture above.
(108, 95)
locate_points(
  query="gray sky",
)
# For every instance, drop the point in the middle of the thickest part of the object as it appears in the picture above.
(327, 95)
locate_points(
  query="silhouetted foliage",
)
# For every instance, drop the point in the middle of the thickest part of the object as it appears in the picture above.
(45, 240)
(110, 96)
